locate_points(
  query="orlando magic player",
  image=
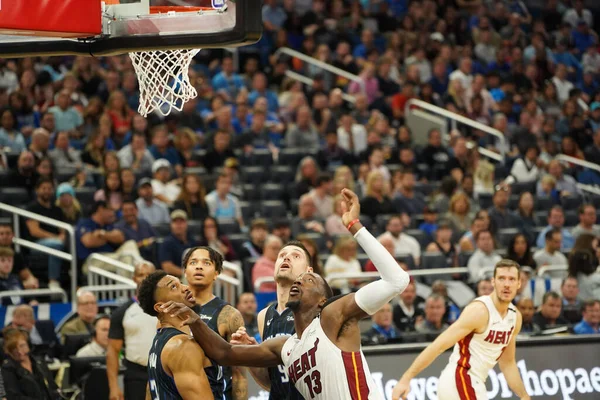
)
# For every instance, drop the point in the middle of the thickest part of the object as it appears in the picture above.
(202, 266)
(178, 369)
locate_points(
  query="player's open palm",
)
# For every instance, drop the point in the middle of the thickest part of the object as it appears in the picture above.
(350, 206)
(401, 390)
(183, 312)
(242, 337)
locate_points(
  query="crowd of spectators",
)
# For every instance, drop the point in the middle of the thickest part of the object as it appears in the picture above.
(258, 159)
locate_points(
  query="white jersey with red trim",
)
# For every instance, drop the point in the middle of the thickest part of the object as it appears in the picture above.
(321, 371)
(478, 353)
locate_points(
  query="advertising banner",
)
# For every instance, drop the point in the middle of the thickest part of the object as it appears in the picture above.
(552, 369)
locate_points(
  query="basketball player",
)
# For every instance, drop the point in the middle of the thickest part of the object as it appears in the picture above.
(323, 358)
(177, 366)
(484, 334)
(202, 267)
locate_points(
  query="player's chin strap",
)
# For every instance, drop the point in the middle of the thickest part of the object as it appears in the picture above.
(394, 279)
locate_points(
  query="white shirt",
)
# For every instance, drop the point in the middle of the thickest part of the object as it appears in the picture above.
(92, 349)
(591, 62)
(336, 265)
(525, 171)
(562, 88)
(480, 260)
(359, 136)
(465, 79)
(324, 205)
(405, 244)
(169, 190)
(573, 18)
(542, 257)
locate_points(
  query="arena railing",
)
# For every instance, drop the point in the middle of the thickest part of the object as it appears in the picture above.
(309, 82)
(71, 256)
(582, 163)
(34, 293)
(549, 269)
(454, 117)
(323, 65)
(109, 285)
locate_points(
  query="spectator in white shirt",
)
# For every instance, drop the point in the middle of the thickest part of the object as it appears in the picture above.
(562, 83)
(463, 73)
(573, 15)
(376, 162)
(352, 137)
(587, 221)
(525, 169)
(97, 347)
(222, 204)
(321, 195)
(164, 190)
(343, 260)
(150, 209)
(550, 254)
(591, 60)
(483, 257)
(403, 243)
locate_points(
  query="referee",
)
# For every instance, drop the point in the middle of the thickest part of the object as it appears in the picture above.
(134, 330)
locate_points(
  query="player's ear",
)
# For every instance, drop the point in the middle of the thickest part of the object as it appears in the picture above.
(157, 307)
(322, 302)
(309, 269)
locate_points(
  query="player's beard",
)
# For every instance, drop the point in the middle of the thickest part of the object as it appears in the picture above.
(293, 305)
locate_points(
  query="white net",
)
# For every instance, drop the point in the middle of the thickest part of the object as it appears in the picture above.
(163, 78)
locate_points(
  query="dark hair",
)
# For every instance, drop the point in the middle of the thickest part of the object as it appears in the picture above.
(582, 261)
(551, 294)
(448, 186)
(209, 218)
(107, 191)
(42, 180)
(527, 258)
(559, 208)
(566, 279)
(328, 291)
(129, 201)
(506, 263)
(299, 244)
(98, 319)
(582, 207)
(589, 304)
(96, 206)
(214, 256)
(147, 290)
(323, 178)
(550, 233)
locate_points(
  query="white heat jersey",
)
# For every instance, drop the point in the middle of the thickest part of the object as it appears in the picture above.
(320, 370)
(477, 353)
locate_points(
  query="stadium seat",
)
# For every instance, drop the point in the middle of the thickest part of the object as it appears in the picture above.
(237, 240)
(272, 209)
(406, 259)
(294, 206)
(200, 171)
(253, 175)
(543, 203)
(195, 227)
(282, 174)
(426, 188)
(291, 156)
(595, 200)
(521, 187)
(85, 195)
(485, 200)
(421, 236)
(430, 260)
(247, 265)
(251, 192)
(319, 239)
(505, 236)
(15, 196)
(571, 202)
(228, 226)
(64, 174)
(248, 211)
(381, 221)
(272, 191)
(500, 172)
(571, 218)
(162, 229)
(259, 157)
(513, 202)
(541, 218)
(463, 258)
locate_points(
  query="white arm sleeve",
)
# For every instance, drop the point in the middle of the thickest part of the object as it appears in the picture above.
(394, 279)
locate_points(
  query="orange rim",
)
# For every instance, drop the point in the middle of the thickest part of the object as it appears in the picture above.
(166, 9)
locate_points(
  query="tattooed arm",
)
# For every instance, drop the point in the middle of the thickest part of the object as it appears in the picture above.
(229, 321)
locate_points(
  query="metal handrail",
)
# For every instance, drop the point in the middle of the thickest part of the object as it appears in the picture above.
(36, 292)
(110, 275)
(577, 161)
(589, 188)
(485, 152)
(459, 118)
(309, 82)
(111, 261)
(322, 65)
(551, 268)
(71, 256)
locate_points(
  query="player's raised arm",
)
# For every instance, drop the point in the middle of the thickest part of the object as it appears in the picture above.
(508, 364)
(373, 296)
(180, 357)
(473, 318)
(266, 354)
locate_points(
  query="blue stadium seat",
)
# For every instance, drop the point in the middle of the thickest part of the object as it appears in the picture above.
(273, 209)
(15, 196)
(282, 174)
(254, 175)
(272, 191)
(228, 226)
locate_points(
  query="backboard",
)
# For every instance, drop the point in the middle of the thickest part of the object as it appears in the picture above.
(94, 27)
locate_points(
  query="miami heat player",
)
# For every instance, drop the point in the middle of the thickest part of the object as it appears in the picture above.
(484, 334)
(323, 358)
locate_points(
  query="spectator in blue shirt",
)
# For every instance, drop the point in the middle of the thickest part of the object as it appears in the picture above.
(439, 80)
(382, 329)
(556, 220)
(367, 43)
(136, 229)
(259, 89)
(97, 234)
(171, 250)
(67, 118)
(8, 279)
(228, 82)
(582, 37)
(161, 148)
(590, 324)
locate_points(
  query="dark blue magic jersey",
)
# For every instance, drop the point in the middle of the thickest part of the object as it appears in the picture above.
(278, 325)
(162, 386)
(209, 313)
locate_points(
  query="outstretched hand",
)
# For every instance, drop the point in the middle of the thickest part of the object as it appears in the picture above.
(241, 337)
(183, 312)
(350, 206)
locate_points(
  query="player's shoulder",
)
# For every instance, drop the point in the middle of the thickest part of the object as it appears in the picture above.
(230, 317)
(178, 348)
(475, 314)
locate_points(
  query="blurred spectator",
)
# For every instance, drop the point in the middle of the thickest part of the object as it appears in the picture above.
(321, 195)
(443, 244)
(549, 315)
(463, 73)
(63, 155)
(525, 169)
(20, 267)
(565, 184)
(526, 308)
(569, 290)
(44, 234)
(150, 209)
(590, 324)
(66, 117)
(432, 321)
(334, 224)
(93, 153)
(111, 193)
(550, 254)
(246, 305)
(191, 199)
(382, 328)
(306, 175)
(556, 220)
(9, 280)
(161, 148)
(97, 234)
(24, 175)
(313, 250)
(253, 248)
(211, 236)
(164, 189)
(185, 143)
(499, 213)
(260, 89)
(136, 155)
(435, 154)
(306, 221)
(409, 310)
(9, 135)
(407, 200)
(128, 187)
(441, 200)
(87, 311)
(577, 13)
(282, 229)
(352, 137)
(430, 222)
(40, 142)
(332, 154)
(583, 265)
(343, 260)
(222, 204)
(219, 151)
(41, 332)
(467, 241)
(519, 250)
(403, 243)
(452, 310)
(484, 256)
(484, 287)
(388, 243)
(257, 136)
(459, 212)
(265, 265)
(376, 201)
(303, 133)
(97, 347)
(587, 221)
(227, 82)
(525, 211)
(24, 375)
(137, 229)
(170, 251)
